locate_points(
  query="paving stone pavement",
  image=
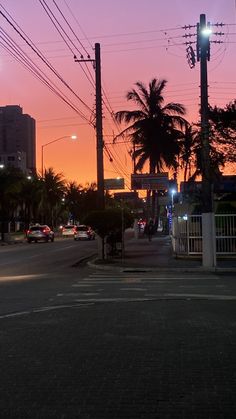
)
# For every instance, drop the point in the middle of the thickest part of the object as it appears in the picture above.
(157, 254)
(147, 360)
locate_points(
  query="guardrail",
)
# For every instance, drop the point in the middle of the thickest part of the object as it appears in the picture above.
(187, 234)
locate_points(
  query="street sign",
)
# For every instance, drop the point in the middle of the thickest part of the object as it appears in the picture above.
(126, 196)
(155, 181)
(116, 183)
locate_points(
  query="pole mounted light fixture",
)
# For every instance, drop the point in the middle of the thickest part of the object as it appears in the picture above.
(72, 137)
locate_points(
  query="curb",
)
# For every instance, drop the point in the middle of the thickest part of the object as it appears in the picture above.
(143, 269)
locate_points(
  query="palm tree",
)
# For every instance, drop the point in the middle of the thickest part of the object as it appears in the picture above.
(53, 190)
(155, 129)
(73, 200)
(189, 145)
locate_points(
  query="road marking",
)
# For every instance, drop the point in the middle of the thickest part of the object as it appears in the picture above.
(76, 294)
(205, 296)
(113, 300)
(45, 309)
(20, 277)
(19, 313)
(151, 277)
(133, 289)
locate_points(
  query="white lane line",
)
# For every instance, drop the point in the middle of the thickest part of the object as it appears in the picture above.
(19, 313)
(50, 308)
(77, 294)
(133, 289)
(206, 296)
(112, 300)
(45, 309)
(21, 277)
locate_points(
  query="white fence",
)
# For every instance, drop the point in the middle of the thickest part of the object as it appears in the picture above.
(187, 234)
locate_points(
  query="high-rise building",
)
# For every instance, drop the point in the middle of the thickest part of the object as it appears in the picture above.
(17, 139)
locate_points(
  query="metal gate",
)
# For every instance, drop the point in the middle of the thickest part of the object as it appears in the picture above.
(187, 234)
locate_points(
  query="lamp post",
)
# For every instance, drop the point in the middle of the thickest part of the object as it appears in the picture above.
(173, 192)
(73, 137)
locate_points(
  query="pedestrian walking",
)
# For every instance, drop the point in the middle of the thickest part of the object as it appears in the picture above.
(150, 229)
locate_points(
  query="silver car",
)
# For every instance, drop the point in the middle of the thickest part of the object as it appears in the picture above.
(68, 230)
(39, 232)
(84, 232)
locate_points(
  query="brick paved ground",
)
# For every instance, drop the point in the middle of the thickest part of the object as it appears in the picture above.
(162, 359)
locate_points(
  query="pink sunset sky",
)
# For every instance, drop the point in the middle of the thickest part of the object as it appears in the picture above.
(139, 41)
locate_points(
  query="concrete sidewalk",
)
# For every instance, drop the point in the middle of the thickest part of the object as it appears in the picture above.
(156, 255)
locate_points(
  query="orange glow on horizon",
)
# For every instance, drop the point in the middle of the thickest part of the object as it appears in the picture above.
(136, 45)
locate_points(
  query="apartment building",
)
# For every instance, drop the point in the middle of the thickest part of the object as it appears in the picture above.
(17, 139)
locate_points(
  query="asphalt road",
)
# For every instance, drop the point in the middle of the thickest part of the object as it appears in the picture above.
(82, 343)
(43, 258)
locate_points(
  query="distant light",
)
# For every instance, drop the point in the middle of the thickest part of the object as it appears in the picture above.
(173, 191)
(29, 177)
(206, 31)
(2, 166)
(73, 137)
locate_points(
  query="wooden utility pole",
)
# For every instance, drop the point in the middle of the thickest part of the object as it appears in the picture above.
(99, 130)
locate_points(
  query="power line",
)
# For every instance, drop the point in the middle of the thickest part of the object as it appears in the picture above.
(57, 25)
(72, 14)
(40, 55)
(62, 14)
(41, 76)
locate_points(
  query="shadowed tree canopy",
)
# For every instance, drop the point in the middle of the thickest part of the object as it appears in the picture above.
(154, 128)
(223, 127)
(53, 190)
(105, 221)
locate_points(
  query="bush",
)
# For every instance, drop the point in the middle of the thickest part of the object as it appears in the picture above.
(108, 220)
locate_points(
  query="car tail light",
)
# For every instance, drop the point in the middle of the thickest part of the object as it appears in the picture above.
(44, 230)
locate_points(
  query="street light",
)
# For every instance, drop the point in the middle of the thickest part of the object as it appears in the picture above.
(73, 137)
(173, 192)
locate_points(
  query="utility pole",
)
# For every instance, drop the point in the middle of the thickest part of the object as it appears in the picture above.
(208, 221)
(203, 55)
(99, 130)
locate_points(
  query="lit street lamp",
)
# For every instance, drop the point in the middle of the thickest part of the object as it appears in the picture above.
(73, 137)
(173, 192)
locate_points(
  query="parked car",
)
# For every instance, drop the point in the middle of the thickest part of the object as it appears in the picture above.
(39, 232)
(68, 230)
(84, 232)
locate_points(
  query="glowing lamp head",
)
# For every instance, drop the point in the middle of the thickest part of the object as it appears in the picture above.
(207, 31)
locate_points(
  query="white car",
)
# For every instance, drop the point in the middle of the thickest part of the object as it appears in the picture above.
(68, 230)
(84, 232)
